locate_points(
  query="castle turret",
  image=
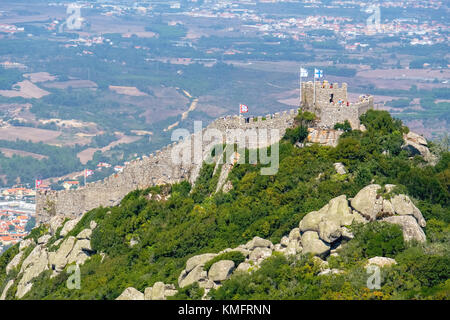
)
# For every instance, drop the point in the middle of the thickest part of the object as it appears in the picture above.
(324, 94)
(329, 101)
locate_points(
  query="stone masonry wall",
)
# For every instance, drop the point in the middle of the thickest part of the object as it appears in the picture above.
(157, 168)
(330, 113)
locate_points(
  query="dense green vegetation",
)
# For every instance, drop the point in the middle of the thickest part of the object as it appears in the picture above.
(235, 256)
(9, 77)
(190, 223)
(59, 161)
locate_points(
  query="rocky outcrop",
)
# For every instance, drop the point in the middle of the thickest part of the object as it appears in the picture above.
(367, 202)
(5, 290)
(68, 226)
(25, 244)
(159, 291)
(221, 270)
(258, 242)
(32, 266)
(313, 244)
(14, 263)
(131, 294)
(320, 233)
(381, 262)
(70, 250)
(187, 278)
(370, 204)
(198, 260)
(340, 168)
(410, 227)
(415, 144)
(403, 205)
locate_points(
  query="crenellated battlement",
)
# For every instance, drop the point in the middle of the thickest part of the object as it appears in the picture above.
(329, 101)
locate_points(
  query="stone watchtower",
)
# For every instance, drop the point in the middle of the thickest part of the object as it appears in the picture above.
(330, 103)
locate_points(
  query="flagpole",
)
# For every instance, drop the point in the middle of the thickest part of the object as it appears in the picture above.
(314, 88)
(300, 87)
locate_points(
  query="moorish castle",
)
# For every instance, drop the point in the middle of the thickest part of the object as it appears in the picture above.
(328, 101)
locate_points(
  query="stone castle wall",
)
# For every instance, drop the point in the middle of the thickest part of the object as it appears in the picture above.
(329, 113)
(323, 92)
(157, 168)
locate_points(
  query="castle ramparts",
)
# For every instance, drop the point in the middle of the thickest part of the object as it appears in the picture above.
(329, 101)
(156, 169)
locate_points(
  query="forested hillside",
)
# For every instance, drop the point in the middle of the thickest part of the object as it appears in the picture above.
(148, 238)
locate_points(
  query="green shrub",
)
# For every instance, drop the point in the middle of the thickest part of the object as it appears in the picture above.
(297, 134)
(191, 292)
(375, 239)
(235, 256)
(343, 126)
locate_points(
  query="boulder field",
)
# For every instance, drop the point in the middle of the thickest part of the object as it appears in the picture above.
(320, 233)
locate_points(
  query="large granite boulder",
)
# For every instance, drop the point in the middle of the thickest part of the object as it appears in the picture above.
(80, 252)
(367, 202)
(329, 230)
(158, 291)
(417, 145)
(221, 270)
(14, 263)
(58, 259)
(294, 235)
(416, 138)
(340, 168)
(381, 262)
(25, 244)
(131, 294)
(312, 244)
(32, 266)
(243, 266)
(5, 290)
(44, 239)
(85, 234)
(187, 278)
(198, 260)
(55, 222)
(410, 227)
(259, 254)
(336, 212)
(404, 206)
(258, 242)
(68, 226)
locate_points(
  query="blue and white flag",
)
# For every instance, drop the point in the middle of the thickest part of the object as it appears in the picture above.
(303, 73)
(318, 73)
